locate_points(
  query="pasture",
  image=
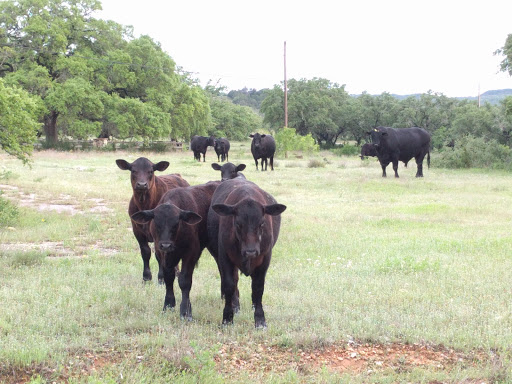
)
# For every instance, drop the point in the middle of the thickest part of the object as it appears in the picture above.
(371, 280)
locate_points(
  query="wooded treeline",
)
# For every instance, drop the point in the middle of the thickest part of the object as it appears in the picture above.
(65, 73)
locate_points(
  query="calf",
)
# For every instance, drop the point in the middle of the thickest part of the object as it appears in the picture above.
(263, 147)
(243, 227)
(229, 171)
(222, 149)
(199, 144)
(147, 192)
(368, 150)
(401, 144)
(178, 225)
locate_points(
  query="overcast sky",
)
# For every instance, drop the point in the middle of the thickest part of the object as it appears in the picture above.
(377, 46)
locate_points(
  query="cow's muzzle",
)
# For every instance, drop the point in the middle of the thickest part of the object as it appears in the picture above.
(166, 246)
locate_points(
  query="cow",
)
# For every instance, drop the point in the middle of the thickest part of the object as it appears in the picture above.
(199, 144)
(229, 170)
(263, 147)
(222, 149)
(178, 226)
(401, 144)
(243, 227)
(148, 189)
(368, 150)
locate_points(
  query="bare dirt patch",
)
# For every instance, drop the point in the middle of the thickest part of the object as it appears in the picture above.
(56, 249)
(61, 204)
(351, 358)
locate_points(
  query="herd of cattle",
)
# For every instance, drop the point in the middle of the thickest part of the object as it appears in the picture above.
(236, 220)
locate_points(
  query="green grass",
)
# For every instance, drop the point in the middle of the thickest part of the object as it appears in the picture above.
(417, 261)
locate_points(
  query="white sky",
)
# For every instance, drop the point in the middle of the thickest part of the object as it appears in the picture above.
(377, 46)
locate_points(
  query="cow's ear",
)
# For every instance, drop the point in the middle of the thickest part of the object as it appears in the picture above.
(369, 132)
(143, 217)
(123, 164)
(384, 133)
(240, 167)
(190, 217)
(251, 135)
(262, 136)
(275, 209)
(223, 209)
(161, 166)
(216, 166)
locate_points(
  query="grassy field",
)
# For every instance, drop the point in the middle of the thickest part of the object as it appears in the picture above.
(372, 279)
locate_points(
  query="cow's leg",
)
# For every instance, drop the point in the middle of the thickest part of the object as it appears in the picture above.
(169, 275)
(258, 285)
(419, 163)
(272, 163)
(185, 282)
(395, 167)
(383, 169)
(160, 269)
(227, 287)
(227, 156)
(256, 161)
(263, 159)
(236, 294)
(145, 252)
(203, 157)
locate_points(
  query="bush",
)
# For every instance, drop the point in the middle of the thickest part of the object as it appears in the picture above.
(8, 212)
(288, 140)
(315, 163)
(476, 152)
(346, 150)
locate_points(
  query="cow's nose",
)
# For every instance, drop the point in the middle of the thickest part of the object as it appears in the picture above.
(142, 185)
(251, 253)
(166, 246)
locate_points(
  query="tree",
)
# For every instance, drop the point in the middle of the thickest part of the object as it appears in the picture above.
(506, 50)
(233, 121)
(18, 121)
(86, 71)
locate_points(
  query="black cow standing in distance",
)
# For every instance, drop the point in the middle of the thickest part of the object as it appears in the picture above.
(229, 171)
(199, 144)
(401, 144)
(222, 149)
(178, 225)
(263, 147)
(243, 227)
(368, 150)
(148, 189)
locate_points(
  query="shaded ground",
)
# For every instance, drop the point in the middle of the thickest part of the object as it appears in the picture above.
(232, 359)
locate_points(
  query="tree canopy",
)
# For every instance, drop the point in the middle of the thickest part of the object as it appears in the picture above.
(92, 76)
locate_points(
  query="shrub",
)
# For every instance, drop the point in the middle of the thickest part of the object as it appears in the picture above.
(288, 140)
(8, 212)
(315, 163)
(476, 152)
(346, 150)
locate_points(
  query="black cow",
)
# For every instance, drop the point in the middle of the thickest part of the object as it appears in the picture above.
(368, 150)
(199, 144)
(401, 144)
(222, 149)
(178, 225)
(243, 227)
(263, 147)
(229, 171)
(148, 189)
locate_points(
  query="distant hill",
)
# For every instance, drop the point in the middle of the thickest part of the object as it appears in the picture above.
(491, 97)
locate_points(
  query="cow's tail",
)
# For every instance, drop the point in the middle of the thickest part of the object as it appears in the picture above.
(428, 159)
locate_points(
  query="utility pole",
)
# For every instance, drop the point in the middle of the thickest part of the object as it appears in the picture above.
(285, 90)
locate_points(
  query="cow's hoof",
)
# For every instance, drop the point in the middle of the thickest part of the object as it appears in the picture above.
(161, 281)
(168, 307)
(186, 317)
(260, 325)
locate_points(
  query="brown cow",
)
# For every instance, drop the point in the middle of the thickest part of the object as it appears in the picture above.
(178, 226)
(148, 189)
(243, 227)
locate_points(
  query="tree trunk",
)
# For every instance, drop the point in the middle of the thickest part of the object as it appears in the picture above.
(50, 128)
